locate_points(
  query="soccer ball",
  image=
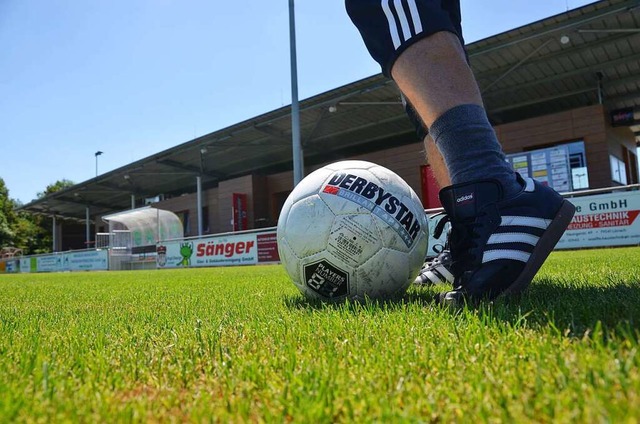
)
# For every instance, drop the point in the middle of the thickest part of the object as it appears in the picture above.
(352, 230)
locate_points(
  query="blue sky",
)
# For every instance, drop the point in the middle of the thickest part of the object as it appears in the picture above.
(134, 77)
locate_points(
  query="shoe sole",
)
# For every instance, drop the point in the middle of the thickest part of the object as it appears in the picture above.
(544, 247)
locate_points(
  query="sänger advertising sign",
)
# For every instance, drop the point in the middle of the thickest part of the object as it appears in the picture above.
(208, 251)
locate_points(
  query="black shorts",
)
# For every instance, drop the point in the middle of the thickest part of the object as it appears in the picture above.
(388, 27)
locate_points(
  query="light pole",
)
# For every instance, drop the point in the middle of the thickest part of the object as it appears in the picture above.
(298, 159)
(98, 153)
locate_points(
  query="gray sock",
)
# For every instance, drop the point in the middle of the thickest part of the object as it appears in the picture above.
(471, 149)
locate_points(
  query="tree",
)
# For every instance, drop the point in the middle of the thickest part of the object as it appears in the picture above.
(55, 187)
(40, 240)
(7, 216)
(29, 232)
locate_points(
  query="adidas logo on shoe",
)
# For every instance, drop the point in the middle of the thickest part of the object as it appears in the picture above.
(464, 199)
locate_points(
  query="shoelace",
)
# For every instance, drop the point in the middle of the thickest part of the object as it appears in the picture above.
(462, 240)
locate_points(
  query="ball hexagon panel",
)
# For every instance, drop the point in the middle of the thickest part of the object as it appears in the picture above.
(325, 277)
(326, 280)
(307, 226)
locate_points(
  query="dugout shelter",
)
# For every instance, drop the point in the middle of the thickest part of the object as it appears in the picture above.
(569, 83)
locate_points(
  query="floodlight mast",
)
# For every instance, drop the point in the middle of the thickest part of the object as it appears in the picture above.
(298, 158)
(96, 154)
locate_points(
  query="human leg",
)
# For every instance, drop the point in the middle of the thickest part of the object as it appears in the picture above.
(434, 75)
(503, 227)
(419, 44)
(436, 163)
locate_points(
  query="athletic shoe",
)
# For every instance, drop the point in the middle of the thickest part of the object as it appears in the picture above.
(497, 243)
(437, 270)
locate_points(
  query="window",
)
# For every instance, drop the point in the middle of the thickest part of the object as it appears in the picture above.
(618, 171)
(578, 164)
(562, 166)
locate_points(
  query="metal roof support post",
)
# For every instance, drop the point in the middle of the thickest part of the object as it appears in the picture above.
(87, 228)
(199, 202)
(158, 229)
(55, 234)
(298, 160)
(600, 76)
(133, 201)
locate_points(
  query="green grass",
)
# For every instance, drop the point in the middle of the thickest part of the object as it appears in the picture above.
(241, 345)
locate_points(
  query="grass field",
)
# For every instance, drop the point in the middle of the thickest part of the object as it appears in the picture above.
(241, 345)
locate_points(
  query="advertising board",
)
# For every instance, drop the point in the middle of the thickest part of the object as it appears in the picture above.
(49, 263)
(268, 247)
(604, 220)
(26, 264)
(12, 266)
(94, 260)
(227, 250)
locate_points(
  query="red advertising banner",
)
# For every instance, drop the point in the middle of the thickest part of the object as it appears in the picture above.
(239, 208)
(268, 248)
(602, 220)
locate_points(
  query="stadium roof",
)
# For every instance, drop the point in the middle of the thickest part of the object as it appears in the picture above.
(585, 56)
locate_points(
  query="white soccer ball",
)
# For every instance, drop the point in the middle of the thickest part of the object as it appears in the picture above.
(352, 230)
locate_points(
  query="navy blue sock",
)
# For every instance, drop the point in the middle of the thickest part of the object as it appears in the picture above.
(471, 149)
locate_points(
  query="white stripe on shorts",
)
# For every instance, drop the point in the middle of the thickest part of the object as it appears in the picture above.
(406, 30)
(393, 28)
(415, 16)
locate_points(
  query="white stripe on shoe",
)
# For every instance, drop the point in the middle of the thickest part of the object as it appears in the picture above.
(531, 186)
(514, 255)
(513, 238)
(393, 28)
(525, 221)
(442, 270)
(437, 275)
(432, 277)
